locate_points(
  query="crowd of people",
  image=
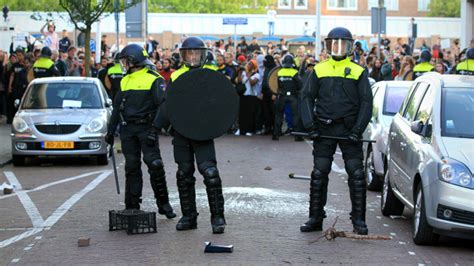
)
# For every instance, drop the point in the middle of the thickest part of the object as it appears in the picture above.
(246, 64)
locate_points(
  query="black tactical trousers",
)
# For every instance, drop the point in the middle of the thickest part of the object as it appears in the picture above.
(280, 103)
(352, 154)
(185, 150)
(133, 137)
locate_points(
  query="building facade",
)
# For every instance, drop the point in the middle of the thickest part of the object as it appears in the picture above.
(398, 8)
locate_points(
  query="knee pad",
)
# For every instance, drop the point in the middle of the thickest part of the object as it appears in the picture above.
(211, 177)
(156, 165)
(354, 168)
(322, 167)
(185, 169)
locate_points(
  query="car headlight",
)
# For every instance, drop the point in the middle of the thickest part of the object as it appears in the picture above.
(95, 125)
(455, 173)
(20, 125)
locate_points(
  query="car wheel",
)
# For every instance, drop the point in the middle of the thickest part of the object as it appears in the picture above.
(389, 203)
(18, 160)
(422, 231)
(103, 159)
(373, 181)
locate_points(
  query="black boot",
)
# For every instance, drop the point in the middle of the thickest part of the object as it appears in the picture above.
(357, 189)
(317, 201)
(158, 184)
(133, 188)
(213, 184)
(187, 197)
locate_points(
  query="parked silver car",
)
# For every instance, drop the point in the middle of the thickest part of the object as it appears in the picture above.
(62, 116)
(388, 97)
(431, 158)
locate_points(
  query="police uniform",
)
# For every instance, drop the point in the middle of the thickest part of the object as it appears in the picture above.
(424, 66)
(185, 152)
(466, 67)
(44, 66)
(113, 79)
(289, 85)
(137, 104)
(337, 101)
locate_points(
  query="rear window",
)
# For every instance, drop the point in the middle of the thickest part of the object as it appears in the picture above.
(62, 95)
(457, 112)
(393, 99)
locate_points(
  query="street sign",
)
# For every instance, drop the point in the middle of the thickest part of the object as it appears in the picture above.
(92, 45)
(135, 20)
(235, 21)
(379, 20)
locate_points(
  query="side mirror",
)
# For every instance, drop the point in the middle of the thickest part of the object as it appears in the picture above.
(417, 127)
(108, 102)
(16, 103)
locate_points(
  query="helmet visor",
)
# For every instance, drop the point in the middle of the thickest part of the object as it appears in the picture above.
(193, 57)
(339, 47)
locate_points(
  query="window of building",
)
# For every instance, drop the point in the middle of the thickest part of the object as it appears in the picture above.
(301, 4)
(342, 4)
(284, 4)
(389, 4)
(423, 5)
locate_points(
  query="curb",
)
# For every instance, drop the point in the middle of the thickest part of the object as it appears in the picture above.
(3, 164)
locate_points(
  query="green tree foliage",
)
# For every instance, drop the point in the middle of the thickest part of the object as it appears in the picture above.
(445, 8)
(162, 6)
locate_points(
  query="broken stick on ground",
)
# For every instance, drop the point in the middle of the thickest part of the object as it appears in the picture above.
(331, 233)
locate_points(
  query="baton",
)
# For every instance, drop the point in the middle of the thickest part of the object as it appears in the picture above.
(304, 177)
(304, 134)
(112, 154)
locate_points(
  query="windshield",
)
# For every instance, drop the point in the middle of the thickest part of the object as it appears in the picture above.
(393, 99)
(457, 112)
(62, 95)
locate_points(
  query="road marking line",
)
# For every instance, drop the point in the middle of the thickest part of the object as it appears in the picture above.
(74, 199)
(27, 248)
(15, 260)
(26, 201)
(12, 180)
(46, 225)
(56, 182)
(30, 245)
(38, 237)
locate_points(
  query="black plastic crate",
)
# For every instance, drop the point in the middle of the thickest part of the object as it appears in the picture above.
(132, 221)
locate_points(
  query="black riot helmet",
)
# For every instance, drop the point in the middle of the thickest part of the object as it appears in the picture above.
(470, 53)
(210, 58)
(339, 43)
(133, 55)
(288, 61)
(425, 56)
(117, 57)
(46, 52)
(193, 51)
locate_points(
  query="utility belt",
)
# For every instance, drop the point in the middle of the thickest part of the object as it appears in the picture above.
(349, 121)
(287, 93)
(141, 121)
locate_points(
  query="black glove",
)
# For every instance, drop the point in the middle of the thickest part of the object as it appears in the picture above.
(313, 133)
(109, 138)
(152, 137)
(354, 137)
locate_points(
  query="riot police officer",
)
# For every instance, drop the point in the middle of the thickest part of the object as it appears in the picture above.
(424, 65)
(337, 101)
(44, 66)
(137, 104)
(193, 53)
(289, 86)
(466, 67)
(114, 77)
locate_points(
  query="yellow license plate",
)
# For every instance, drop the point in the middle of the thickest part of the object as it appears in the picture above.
(58, 145)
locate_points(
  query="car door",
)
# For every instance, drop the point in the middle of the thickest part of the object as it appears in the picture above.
(417, 143)
(408, 141)
(394, 139)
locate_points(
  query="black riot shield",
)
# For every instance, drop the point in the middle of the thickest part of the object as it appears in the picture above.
(202, 104)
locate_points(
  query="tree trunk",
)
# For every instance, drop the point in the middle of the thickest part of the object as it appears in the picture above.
(87, 53)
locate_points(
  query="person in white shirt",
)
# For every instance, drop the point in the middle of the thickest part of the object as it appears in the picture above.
(271, 17)
(51, 38)
(249, 101)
